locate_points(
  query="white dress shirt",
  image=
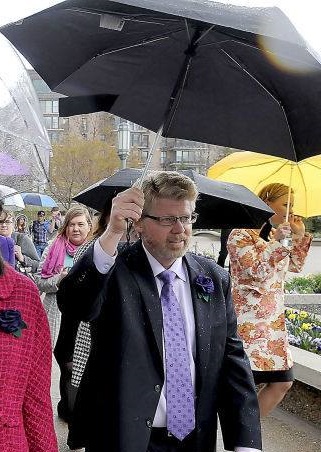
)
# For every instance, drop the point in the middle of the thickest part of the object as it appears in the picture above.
(181, 286)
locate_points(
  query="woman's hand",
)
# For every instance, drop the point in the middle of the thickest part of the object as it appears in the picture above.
(64, 273)
(297, 225)
(282, 231)
(18, 254)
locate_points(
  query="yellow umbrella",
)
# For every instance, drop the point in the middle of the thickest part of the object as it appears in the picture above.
(257, 170)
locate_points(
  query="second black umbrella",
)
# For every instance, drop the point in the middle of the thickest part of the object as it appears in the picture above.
(220, 204)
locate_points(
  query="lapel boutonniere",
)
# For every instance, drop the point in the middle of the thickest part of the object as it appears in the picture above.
(11, 322)
(204, 287)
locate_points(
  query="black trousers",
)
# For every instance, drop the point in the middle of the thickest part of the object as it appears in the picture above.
(161, 441)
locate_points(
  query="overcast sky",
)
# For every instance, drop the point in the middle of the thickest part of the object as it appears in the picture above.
(305, 14)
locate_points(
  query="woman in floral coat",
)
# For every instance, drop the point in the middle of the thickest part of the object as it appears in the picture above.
(258, 267)
(26, 419)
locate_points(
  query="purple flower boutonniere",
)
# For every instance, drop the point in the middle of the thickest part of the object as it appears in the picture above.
(204, 287)
(11, 322)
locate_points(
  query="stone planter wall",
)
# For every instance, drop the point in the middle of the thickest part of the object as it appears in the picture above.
(307, 367)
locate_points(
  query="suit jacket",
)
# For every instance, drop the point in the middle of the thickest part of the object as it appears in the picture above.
(120, 390)
(26, 419)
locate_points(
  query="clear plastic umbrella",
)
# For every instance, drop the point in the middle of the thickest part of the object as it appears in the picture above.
(11, 199)
(24, 142)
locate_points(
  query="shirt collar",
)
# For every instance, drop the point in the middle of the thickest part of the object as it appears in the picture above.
(157, 268)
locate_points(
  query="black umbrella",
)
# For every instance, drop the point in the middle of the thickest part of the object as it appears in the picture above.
(191, 69)
(220, 204)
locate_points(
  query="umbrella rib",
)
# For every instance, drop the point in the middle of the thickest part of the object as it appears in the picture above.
(123, 15)
(282, 164)
(138, 44)
(247, 72)
(311, 164)
(187, 31)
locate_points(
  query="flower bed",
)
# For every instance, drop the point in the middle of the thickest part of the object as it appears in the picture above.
(304, 330)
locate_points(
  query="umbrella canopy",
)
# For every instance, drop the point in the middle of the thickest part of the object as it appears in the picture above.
(256, 171)
(197, 70)
(38, 199)
(14, 202)
(220, 204)
(24, 142)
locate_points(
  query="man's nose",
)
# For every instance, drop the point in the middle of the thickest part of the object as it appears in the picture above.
(178, 226)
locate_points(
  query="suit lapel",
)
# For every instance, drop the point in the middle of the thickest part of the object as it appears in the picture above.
(147, 285)
(203, 312)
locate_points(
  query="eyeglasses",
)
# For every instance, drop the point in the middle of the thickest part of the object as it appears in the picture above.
(6, 222)
(170, 221)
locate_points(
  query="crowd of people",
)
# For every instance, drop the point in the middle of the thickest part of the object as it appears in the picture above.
(152, 341)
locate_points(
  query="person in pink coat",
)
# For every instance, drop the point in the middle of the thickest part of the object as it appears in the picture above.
(26, 418)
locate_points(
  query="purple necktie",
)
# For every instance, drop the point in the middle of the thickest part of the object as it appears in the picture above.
(179, 387)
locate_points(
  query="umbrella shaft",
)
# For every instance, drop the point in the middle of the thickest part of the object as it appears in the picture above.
(150, 156)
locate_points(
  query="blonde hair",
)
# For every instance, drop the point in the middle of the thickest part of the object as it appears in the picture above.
(168, 185)
(71, 214)
(273, 191)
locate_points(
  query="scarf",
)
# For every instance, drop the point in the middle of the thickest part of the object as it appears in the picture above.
(55, 259)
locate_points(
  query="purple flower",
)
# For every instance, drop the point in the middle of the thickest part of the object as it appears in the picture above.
(204, 287)
(317, 343)
(11, 322)
(316, 328)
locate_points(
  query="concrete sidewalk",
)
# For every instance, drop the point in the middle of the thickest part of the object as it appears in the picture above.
(282, 432)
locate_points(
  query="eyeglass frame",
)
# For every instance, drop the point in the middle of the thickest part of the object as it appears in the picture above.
(184, 219)
(6, 221)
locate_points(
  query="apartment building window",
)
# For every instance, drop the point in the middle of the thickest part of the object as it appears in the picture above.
(54, 137)
(49, 106)
(84, 124)
(184, 156)
(51, 122)
(163, 157)
(145, 141)
(135, 139)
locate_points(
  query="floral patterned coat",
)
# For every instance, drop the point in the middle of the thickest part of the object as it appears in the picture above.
(26, 418)
(258, 271)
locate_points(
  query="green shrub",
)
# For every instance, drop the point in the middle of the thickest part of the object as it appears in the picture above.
(304, 284)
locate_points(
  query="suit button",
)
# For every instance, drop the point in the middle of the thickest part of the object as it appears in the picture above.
(149, 423)
(157, 388)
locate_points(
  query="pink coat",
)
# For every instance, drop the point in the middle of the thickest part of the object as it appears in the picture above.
(26, 418)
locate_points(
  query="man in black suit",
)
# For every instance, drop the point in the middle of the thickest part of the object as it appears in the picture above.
(145, 390)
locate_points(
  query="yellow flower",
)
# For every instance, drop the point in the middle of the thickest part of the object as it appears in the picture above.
(306, 326)
(303, 314)
(292, 316)
(288, 311)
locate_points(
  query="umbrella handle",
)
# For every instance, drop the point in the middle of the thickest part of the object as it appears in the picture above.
(289, 195)
(287, 241)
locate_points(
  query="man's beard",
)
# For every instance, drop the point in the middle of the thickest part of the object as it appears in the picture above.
(164, 251)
